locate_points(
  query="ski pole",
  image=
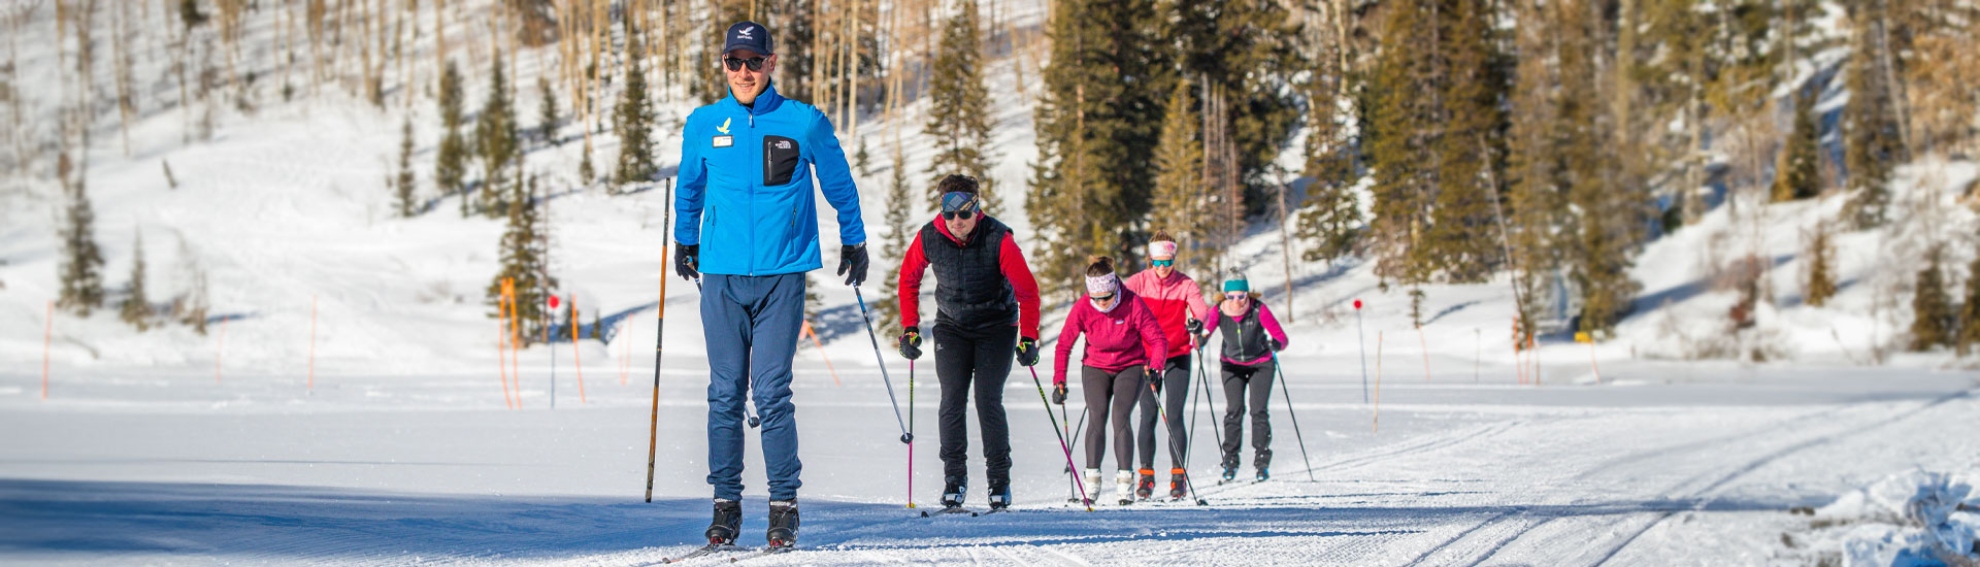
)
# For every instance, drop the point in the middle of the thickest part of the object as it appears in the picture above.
(1295, 417)
(1175, 448)
(1216, 429)
(653, 423)
(867, 320)
(910, 482)
(1062, 440)
(1361, 341)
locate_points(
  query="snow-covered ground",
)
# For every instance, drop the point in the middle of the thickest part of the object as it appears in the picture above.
(346, 405)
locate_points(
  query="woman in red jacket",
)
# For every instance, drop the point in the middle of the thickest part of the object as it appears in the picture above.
(1122, 341)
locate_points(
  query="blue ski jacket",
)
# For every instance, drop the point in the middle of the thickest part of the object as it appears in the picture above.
(745, 188)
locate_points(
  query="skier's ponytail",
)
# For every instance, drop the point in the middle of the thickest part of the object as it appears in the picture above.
(1101, 265)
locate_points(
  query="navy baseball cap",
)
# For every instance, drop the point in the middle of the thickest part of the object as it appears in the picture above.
(747, 35)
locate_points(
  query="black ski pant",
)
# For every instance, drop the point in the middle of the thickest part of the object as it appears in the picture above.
(979, 359)
(1174, 381)
(1258, 380)
(1110, 393)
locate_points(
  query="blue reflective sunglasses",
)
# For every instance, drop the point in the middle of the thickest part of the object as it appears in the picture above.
(1162, 263)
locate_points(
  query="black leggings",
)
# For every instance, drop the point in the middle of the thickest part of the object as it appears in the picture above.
(1237, 379)
(1110, 392)
(1175, 382)
(978, 360)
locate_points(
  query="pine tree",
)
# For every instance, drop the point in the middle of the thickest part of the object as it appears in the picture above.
(1821, 283)
(1799, 174)
(1538, 205)
(450, 165)
(404, 184)
(82, 261)
(1250, 51)
(1969, 311)
(1178, 201)
(499, 141)
(1096, 125)
(1871, 140)
(900, 232)
(1330, 217)
(1467, 146)
(959, 121)
(1399, 145)
(546, 113)
(525, 257)
(1598, 260)
(136, 308)
(1931, 309)
(633, 121)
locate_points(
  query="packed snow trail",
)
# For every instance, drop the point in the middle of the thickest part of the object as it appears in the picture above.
(376, 470)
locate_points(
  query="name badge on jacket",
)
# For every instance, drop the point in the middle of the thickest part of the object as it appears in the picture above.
(725, 141)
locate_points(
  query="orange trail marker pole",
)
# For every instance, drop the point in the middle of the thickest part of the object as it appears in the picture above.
(1591, 360)
(1425, 342)
(47, 340)
(312, 342)
(821, 354)
(502, 340)
(577, 359)
(515, 338)
(220, 351)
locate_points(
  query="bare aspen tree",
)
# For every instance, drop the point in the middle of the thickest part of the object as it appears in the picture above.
(121, 63)
(439, 36)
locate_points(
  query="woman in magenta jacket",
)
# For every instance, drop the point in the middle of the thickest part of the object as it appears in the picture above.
(1122, 341)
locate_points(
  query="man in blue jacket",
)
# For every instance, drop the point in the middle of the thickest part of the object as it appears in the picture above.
(748, 227)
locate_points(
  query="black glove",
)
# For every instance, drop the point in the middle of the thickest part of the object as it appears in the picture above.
(1059, 393)
(911, 343)
(1194, 327)
(1276, 347)
(1027, 351)
(853, 259)
(686, 258)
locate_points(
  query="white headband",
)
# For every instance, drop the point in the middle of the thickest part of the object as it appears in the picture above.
(1161, 249)
(1101, 285)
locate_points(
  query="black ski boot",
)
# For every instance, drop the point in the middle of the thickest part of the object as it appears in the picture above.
(727, 523)
(1000, 495)
(1145, 487)
(1264, 474)
(783, 524)
(956, 490)
(1178, 483)
(1230, 474)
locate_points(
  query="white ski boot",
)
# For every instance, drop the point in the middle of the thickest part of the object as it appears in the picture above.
(1092, 485)
(1124, 486)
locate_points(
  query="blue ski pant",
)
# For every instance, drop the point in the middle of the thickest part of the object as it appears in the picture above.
(751, 324)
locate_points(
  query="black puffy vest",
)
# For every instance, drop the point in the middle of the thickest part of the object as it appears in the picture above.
(970, 287)
(1244, 340)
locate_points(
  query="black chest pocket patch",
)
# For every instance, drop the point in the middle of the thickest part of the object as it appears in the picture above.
(780, 160)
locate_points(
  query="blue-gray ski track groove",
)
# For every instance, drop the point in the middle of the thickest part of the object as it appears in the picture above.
(1490, 524)
(1769, 458)
(1417, 445)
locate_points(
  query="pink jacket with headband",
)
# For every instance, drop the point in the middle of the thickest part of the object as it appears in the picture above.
(1116, 340)
(1173, 300)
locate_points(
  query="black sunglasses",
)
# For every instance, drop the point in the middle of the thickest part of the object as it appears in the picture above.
(1108, 297)
(964, 215)
(737, 63)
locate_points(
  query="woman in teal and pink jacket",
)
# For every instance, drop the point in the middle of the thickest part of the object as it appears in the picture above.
(1251, 337)
(1122, 342)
